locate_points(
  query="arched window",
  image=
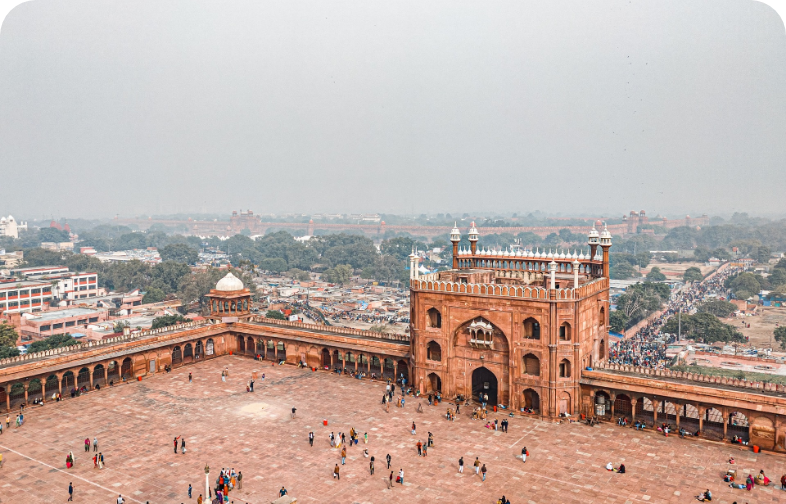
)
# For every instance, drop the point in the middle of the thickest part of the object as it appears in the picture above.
(531, 329)
(564, 368)
(531, 365)
(564, 332)
(434, 318)
(433, 351)
(602, 350)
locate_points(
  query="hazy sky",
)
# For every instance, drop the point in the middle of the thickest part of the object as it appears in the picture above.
(279, 106)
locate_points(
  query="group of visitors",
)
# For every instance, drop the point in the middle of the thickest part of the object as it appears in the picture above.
(647, 348)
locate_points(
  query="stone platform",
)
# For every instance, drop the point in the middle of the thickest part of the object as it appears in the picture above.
(226, 427)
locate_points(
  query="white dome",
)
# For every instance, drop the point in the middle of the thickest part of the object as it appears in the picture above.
(229, 283)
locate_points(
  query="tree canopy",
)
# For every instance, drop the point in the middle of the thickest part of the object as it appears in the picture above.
(655, 275)
(717, 307)
(703, 328)
(168, 320)
(692, 274)
(780, 336)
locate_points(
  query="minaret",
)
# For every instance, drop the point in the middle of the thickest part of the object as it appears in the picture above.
(473, 238)
(552, 274)
(455, 238)
(605, 244)
(593, 239)
(413, 265)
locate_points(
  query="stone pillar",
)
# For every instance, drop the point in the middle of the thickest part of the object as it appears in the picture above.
(368, 366)
(655, 406)
(677, 408)
(633, 409)
(357, 358)
(8, 398)
(59, 384)
(702, 412)
(395, 370)
(613, 399)
(275, 350)
(725, 421)
(26, 385)
(43, 390)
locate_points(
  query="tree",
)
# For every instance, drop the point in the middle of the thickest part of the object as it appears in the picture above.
(153, 295)
(400, 247)
(763, 255)
(692, 274)
(618, 321)
(52, 342)
(639, 300)
(701, 254)
(777, 277)
(43, 257)
(780, 336)
(274, 265)
(298, 274)
(8, 352)
(179, 252)
(338, 275)
(53, 235)
(275, 314)
(744, 285)
(622, 271)
(704, 328)
(719, 308)
(168, 320)
(655, 274)
(8, 335)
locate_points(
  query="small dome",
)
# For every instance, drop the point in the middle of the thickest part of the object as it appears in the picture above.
(229, 283)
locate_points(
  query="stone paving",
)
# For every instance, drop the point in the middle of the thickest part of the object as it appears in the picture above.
(226, 427)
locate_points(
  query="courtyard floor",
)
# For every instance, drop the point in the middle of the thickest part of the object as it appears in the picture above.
(226, 427)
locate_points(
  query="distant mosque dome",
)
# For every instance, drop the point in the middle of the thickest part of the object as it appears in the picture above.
(229, 283)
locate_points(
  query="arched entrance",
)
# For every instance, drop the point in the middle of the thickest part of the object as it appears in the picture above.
(403, 371)
(98, 375)
(531, 400)
(434, 383)
(250, 346)
(271, 350)
(325, 358)
(241, 344)
(177, 357)
(68, 381)
(484, 381)
(565, 405)
(188, 353)
(198, 351)
(282, 351)
(126, 369)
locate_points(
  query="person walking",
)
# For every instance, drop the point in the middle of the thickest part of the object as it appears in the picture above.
(199, 499)
(190, 379)
(175, 443)
(87, 444)
(70, 491)
(483, 471)
(95, 461)
(387, 458)
(477, 465)
(239, 480)
(336, 474)
(461, 465)
(183, 446)
(293, 412)
(524, 454)
(95, 444)
(120, 499)
(390, 480)
(413, 428)
(343, 455)
(1, 460)
(420, 448)
(371, 466)
(100, 460)
(311, 438)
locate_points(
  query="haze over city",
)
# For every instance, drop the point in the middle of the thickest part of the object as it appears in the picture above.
(571, 108)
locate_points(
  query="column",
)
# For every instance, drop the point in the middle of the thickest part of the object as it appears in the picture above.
(655, 406)
(725, 421)
(357, 358)
(677, 408)
(43, 390)
(275, 350)
(59, 384)
(26, 385)
(368, 366)
(633, 409)
(8, 398)
(702, 412)
(613, 398)
(395, 370)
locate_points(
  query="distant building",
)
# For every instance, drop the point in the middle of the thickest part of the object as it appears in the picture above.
(70, 320)
(149, 255)
(24, 296)
(11, 259)
(58, 247)
(9, 226)
(65, 284)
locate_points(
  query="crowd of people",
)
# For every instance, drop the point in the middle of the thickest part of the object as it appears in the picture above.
(647, 348)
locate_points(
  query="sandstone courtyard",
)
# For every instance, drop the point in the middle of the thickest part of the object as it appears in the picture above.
(224, 426)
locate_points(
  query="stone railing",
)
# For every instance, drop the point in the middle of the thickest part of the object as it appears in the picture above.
(426, 283)
(696, 377)
(333, 329)
(80, 347)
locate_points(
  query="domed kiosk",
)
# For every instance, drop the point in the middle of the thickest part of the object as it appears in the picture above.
(230, 300)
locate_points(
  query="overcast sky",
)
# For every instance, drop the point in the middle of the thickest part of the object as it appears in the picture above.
(576, 107)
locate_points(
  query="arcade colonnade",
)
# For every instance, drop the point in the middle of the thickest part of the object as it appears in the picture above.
(703, 418)
(76, 373)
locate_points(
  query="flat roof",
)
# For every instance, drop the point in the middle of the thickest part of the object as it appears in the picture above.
(59, 314)
(21, 284)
